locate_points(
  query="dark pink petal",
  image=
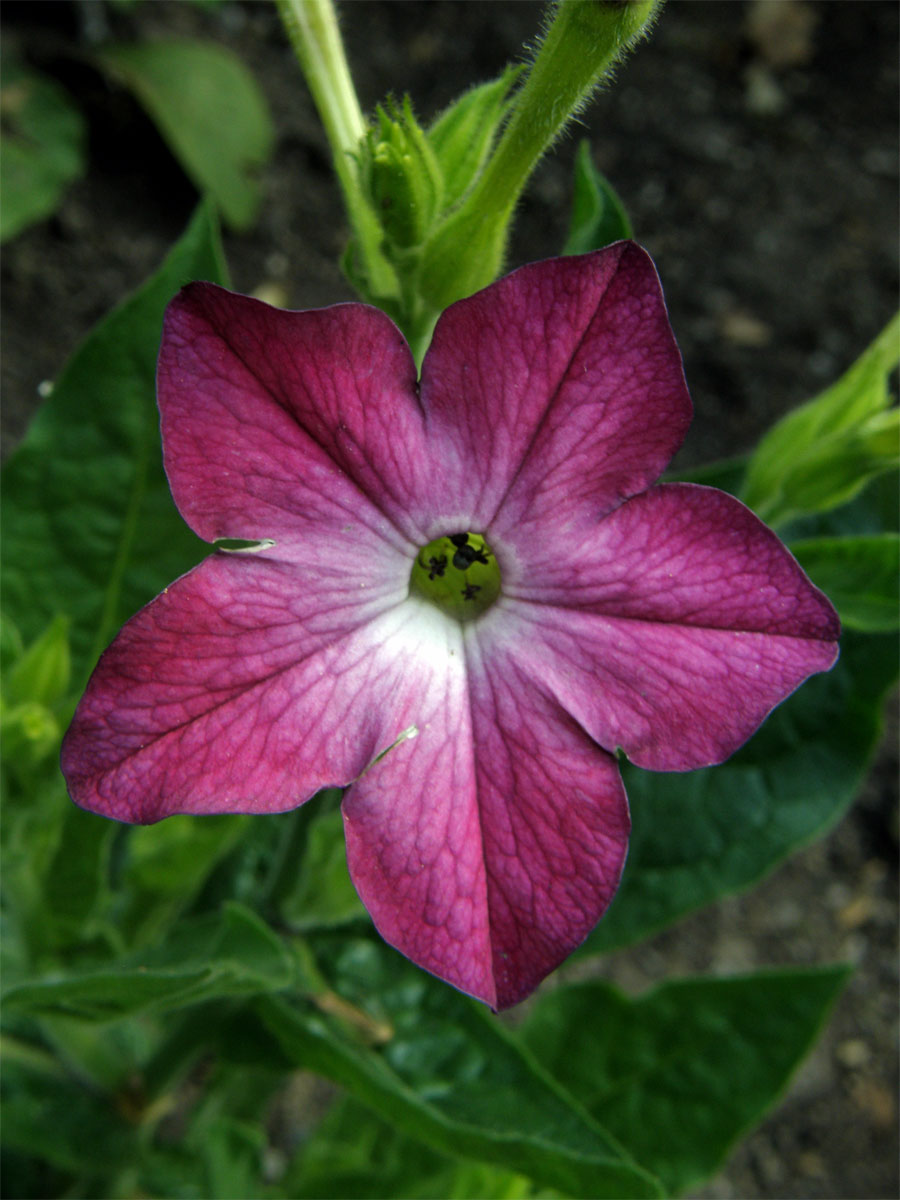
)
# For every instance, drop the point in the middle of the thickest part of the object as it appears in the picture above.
(556, 391)
(240, 690)
(674, 630)
(284, 425)
(489, 847)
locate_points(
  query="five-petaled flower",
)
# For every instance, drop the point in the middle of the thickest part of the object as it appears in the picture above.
(604, 613)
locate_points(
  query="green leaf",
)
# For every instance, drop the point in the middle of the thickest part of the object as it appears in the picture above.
(464, 134)
(824, 452)
(680, 1073)
(860, 575)
(704, 834)
(598, 215)
(231, 955)
(41, 147)
(87, 517)
(210, 111)
(450, 1076)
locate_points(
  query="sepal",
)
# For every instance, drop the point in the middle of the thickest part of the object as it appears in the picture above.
(464, 134)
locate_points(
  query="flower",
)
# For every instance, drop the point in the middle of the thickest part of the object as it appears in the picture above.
(472, 574)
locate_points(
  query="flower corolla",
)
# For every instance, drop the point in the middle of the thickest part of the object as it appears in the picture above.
(471, 572)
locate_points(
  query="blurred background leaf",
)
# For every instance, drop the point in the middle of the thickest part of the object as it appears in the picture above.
(209, 109)
(42, 146)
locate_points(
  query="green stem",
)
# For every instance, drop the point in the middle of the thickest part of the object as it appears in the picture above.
(314, 34)
(586, 38)
(582, 44)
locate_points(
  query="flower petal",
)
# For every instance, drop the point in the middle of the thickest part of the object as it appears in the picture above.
(560, 382)
(280, 424)
(236, 690)
(489, 847)
(675, 629)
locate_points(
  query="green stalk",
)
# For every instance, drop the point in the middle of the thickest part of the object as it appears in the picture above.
(586, 38)
(313, 31)
(584, 41)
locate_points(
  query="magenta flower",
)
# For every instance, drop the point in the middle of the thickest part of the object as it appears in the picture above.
(469, 571)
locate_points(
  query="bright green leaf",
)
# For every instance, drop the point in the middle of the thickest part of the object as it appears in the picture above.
(824, 452)
(210, 111)
(680, 1073)
(598, 215)
(860, 575)
(41, 147)
(704, 834)
(87, 517)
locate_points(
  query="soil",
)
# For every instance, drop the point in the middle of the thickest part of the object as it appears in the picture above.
(755, 147)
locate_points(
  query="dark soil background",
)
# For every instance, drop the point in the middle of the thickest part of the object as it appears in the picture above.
(755, 146)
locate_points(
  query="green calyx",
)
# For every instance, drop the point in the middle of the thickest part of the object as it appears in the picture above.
(458, 574)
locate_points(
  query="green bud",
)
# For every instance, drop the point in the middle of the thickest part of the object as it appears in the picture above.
(823, 453)
(29, 733)
(400, 175)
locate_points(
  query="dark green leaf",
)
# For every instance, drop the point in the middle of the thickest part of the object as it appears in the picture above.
(449, 1075)
(210, 111)
(598, 215)
(52, 1118)
(860, 575)
(704, 834)
(87, 517)
(680, 1073)
(41, 147)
